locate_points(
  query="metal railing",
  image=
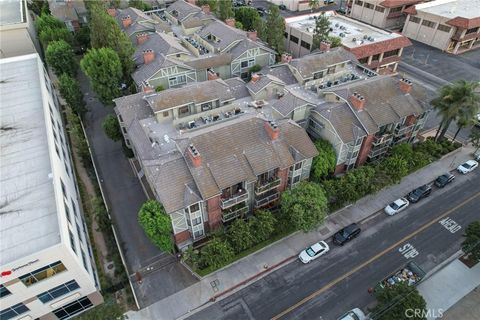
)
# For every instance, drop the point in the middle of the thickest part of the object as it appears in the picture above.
(267, 185)
(227, 216)
(233, 200)
(266, 200)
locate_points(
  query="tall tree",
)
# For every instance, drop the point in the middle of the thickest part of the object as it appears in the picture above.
(313, 4)
(304, 207)
(111, 127)
(157, 225)
(475, 138)
(70, 91)
(471, 244)
(39, 7)
(262, 225)
(461, 97)
(103, 68)
(324, 163)
(59, 56)
(139, 4)
(212, 3)
(49, 34)
(321, 31)
(248, 17)
(225, 9)
(275, 29)
(47, 21)
(395, 301)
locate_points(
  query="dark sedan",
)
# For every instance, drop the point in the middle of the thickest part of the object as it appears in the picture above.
(444, 179)
(419, 193)
(346, 234)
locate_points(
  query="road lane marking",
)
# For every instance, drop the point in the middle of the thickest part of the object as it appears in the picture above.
(377, 256)
(408, 251)
(450, 224)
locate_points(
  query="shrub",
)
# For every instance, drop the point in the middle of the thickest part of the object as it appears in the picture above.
(156, 224)
(240, 236)
(216, 253)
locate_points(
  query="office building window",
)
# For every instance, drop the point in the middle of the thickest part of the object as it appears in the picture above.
(444, 28)
(13, 312)
(84, 259)
(391, 53)
(4, 291)
(64, 189)
(414, 19)
(79, 233)
(67, 212)
(305, 45)
(74, 208)
(42, 273)
(428, 23)
(369, 5)
(58, 291)
(380, 9)
(72, 241)
(293, 39)
(73, 308)
(359, 2)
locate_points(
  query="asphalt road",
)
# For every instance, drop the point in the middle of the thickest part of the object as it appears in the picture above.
(338, 282)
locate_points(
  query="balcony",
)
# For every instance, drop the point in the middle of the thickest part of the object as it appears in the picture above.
(234, 199)
(234, 212)
(264, 186)
(266, 198)
(382, 140)
(378, 151)
(403, 129)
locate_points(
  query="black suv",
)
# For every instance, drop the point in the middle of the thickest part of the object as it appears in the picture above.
(444, 179)
(346, 234)
(419, 193)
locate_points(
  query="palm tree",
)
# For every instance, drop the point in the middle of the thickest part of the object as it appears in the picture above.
(459, 101)
(314, 4)
(475, 138)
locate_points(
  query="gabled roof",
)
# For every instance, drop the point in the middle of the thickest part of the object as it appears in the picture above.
(261, 83)
(210, 62)
(282, 72)
(288, 103)
(226, 34)
(183, 9)
(146, 71)
(245, 45)
(160, 44)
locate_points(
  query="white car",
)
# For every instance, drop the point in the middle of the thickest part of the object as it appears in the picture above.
(313, 252)
(467, 167)
(396, 206)
(354, 314)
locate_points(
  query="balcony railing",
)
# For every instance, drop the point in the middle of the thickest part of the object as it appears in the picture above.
(233, 200)
(233, 214)
(376, 152)
(265, 186)
(403, 129)
(266, 200)
(384, 139)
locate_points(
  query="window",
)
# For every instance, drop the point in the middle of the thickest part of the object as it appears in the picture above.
(72, 241)
(67, 170)
(206, 106)
(57, 151)
(198, 233)
(391, 53)
(331, 70)
(296, 179)
(84, 260)
(79, 233)
(183, 111)
(247, 63)
(42, 273)
(471, 30)
(4, 291)
(428, 23)
(298, 166)
(14, 311)
(380, 9)
(293, 39)
(363, 60)
(376, 57)
(305, 45)
(73, 308)
(369, 5)
(359, 2)
(177, 80)
(194, 207)
(444, 28)
(196, 221)
(67, 212)
(74, 207)
(165, 114)
(318, 75)
(414, 19)
(58, 291)
(64, 190)
(396, 9)
(120, 118)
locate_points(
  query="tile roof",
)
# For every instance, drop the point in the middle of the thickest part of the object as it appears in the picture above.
(238, 87)
(210, 62)
(464, 22)
(261, 83)
(145, 71)
(245, 45)
(183, 9)
(288, 103)
(282, 72)
(381, 46)
(159, 43)
(133, 107)
(398, 3)
(226, 34)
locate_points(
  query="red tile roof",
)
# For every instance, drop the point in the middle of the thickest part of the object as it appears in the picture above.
(379, 47)
(411, 10)
(398, 3)
(464, 22)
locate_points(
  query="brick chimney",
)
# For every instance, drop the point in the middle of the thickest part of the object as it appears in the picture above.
(194, 156)
(148, 56)
(212, 75)
(112, 12)
(357, 101)
(206, 9)
(148, 88)
(141, 38)
(126, 21)
(230, 22)
(325, 46)
(286, 57)
(272, 129)
(405, 85)
(252, 35)
(255, 77)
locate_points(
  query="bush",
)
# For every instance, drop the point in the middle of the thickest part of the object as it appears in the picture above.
(393, 302)
(240, 236)
(156, 224)
(255, 68)
(159, 88)
(111, 128)
(216, 254)
(262, 225)
(323, 164)
(59, 55)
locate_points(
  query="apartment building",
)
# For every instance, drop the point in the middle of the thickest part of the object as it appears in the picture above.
(16, 29)
(385, 14)
(187, 44)
(379, 50)
(449, 25)
(47, 268)
(298, 5)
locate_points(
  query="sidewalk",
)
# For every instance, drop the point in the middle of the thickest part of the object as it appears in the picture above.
(242, 272)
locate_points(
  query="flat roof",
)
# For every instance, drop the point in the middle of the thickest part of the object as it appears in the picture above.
(12, 12)
(28, 211)
(352, 32)
(451, 8)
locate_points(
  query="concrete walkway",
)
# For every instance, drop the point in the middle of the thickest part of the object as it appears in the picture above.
(235, 276)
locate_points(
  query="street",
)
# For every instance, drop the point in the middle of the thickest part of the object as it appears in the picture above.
(338, 282)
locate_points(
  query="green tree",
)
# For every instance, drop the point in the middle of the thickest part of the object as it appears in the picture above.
(54, 34)
(240, 236)
(276, 29)
(255, 68)
(396, 166)
(335, 41)
(59, 56)
(239, 25)
(110, 310)
(139, 4)
(321, 31)
(304, 207)
(323, 164)
(465, 118)
(248, 17)
(313, 4)
(212, 3)
(216, 253)
(70, 91)
(475, 138)
(82, 37)
(461, 97)
(262, 225)
(225, 9)
(260, 26)
(78, 137)
(156, 224)
(39, 7)
(471, 244)
(394, 301)
(47, 21)
(111, 128)
(159, 88)
(103, 68)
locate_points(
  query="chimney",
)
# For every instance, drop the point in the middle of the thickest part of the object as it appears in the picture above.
(357, 101)
(255, 77)
(272, 129)
(325, 46)
(252, 35)
(206, 9)
(112, 12)
(148, 56)
(147, 88)
(230, 22)
(141, 38)
(212, 75)
(194, 156)
(286, 57)
(127, 21)
(405, 85)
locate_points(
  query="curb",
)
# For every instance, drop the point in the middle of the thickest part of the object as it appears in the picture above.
(441, 265)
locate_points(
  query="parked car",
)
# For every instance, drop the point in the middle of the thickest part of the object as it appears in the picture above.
(444, 179)
(354, 314)
(328, 1)
(396, 206)
(313, 252)
(467, 167)
(282, 7)
(419, 193)
(346, 234)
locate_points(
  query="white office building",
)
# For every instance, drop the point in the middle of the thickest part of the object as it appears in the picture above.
(46, 264)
